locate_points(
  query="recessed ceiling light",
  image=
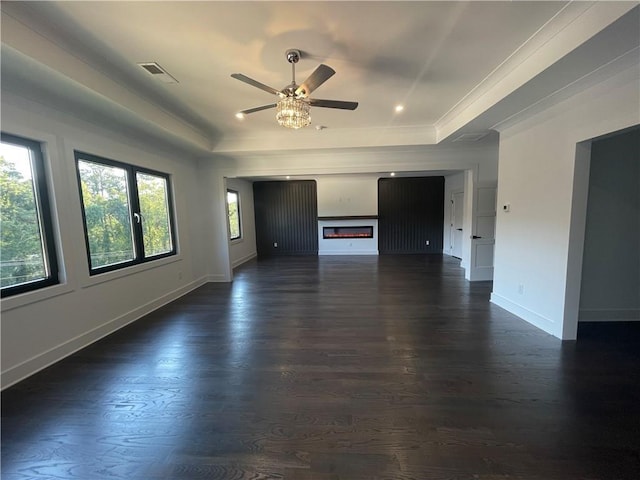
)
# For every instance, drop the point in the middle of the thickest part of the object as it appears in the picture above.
(393, 174)
(399, 108)
(240, 116)
(288, 177)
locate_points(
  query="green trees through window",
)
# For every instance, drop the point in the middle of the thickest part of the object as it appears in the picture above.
(127, 214)
(107, 213)
(233, 209)
(27, 253)
(154, 210)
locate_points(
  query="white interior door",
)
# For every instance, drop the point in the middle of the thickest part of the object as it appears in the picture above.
(457, 211)
(483, 240)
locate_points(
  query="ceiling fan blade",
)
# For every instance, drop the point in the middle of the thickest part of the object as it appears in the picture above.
(315, 102)
(255, 83)
(257, 109)
(317, 78)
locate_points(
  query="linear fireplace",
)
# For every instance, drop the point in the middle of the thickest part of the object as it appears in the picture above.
(332, 232)
(348, 235)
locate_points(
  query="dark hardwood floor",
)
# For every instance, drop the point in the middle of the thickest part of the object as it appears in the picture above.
(333, 368)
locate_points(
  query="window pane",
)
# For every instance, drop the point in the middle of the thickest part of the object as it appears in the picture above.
(22, 250)
(127, 213)
(154, 207)
(108, 214)
(234, 214)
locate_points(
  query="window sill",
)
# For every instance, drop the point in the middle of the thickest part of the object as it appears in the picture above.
(34, 296)
(99, 278)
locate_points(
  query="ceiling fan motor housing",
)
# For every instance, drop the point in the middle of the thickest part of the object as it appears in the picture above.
(293, 56)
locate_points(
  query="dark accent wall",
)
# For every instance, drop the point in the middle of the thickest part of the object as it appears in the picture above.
(410, 213)
(286, 215)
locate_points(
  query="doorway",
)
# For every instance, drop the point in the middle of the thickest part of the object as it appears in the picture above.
(610, 284)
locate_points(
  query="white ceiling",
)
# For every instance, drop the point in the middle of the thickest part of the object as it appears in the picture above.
(438, 59)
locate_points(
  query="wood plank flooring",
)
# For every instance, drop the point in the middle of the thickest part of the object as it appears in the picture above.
(333, 368)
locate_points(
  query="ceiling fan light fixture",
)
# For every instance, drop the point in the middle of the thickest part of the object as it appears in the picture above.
(294, 105)
(293, 113)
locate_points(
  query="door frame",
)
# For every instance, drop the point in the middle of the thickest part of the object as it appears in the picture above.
(452, 222)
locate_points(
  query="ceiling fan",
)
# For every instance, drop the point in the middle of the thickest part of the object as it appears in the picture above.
(293, 107)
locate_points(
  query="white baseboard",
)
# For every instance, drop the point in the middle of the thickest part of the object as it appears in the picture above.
(543, 323)
(349, 252)
(239, 261)
(43, 360)
(217, 278)
(480, 274)
(609, 315)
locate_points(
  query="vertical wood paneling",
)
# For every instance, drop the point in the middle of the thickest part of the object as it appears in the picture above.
(410, 213)
(287, 215)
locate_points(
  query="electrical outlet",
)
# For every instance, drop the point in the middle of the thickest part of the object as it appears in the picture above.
(275, 244)
(520, 289)
(426, 242)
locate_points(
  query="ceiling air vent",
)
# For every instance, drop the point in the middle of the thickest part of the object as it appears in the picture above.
(158, 72)
(470, 137)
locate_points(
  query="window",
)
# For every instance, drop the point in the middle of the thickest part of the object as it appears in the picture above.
(233, 208)
(27, 251)
(127, 213)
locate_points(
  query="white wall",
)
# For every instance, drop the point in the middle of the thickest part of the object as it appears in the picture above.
(243, 249)
(39, 328)
(480, 156)
(339, 173)
(212, 216)
(610, 288)
(539, 242)
(344, 196)
(347, 195)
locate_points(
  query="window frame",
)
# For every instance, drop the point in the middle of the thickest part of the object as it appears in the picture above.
(45, 217)
(239, 237)
(134, 205)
